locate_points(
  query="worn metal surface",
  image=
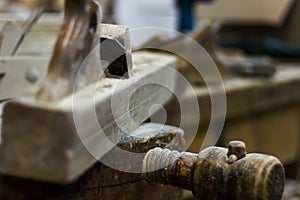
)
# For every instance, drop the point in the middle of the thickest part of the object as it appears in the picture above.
(212, 175)
(78, 36)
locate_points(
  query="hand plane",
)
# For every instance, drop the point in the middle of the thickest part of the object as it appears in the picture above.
(39, 128)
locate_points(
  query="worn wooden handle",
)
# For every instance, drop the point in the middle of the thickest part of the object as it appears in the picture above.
(78, 36)
(218, 173)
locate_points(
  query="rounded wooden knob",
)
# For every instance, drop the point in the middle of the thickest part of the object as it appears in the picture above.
(212, 175)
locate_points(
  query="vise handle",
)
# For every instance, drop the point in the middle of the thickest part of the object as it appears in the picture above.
(218, 173)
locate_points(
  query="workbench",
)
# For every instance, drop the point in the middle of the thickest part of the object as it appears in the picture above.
(263, 112)
(99, 182)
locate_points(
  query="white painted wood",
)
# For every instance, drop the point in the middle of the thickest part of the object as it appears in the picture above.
(14, 84)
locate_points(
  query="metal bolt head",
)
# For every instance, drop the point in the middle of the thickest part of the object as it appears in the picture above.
(32, 75)
(231, 159)
(237, 148)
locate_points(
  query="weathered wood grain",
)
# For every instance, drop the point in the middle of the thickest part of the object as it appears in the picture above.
(102, 182)
(40, 139)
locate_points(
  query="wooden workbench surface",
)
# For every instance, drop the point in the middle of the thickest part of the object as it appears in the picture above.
(246, 95)
(263, 112)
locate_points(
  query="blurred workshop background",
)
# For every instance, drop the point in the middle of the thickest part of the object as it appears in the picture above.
(256, 46)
